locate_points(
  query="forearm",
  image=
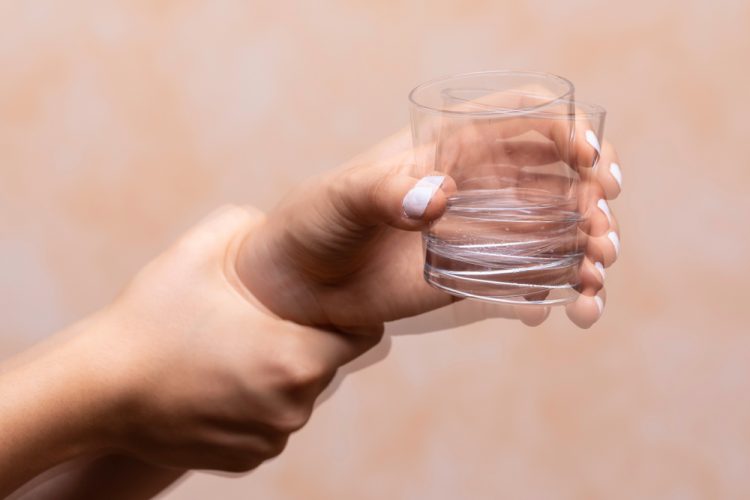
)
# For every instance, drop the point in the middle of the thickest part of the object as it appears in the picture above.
(51, 411)
(122, 477)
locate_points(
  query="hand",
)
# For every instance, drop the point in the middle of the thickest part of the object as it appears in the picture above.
(342, 250)
(182, 370)
(210, 380)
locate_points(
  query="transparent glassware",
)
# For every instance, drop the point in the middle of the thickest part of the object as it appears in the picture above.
(517, 146)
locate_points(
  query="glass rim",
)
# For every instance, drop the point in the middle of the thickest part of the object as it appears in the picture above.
(579, 109)
(568, 95)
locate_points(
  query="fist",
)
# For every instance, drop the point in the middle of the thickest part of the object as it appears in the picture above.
(205, 377)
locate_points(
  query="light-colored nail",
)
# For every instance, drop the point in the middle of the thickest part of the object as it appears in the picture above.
(416, 200)
(614, 169)
(605, 208)
(615, 241)
(599, 304)
(593, 140)
(431, 180)
(600, 267)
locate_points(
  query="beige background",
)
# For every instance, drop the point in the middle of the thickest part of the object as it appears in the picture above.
(122, 122)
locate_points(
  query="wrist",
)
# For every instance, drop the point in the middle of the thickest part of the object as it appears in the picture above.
(257, 269)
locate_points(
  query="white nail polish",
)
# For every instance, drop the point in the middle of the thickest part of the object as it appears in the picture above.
(416, 200)
(615, 241)
(605, 208)
(593, 140)
(600, 267)
(431, 180)
(599, 304)
(614, 169)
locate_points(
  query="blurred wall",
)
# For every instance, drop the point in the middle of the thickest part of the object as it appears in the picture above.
(121, 123)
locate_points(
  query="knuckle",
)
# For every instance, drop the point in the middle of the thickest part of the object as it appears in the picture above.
(291, 420)
(302, 375)
(243, 464)
(236, 460)
(246, 457)
(297, 369)
(276, 446)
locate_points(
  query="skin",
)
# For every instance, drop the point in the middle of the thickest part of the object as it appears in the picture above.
(344, 240)
(184, 370)
(217, 350)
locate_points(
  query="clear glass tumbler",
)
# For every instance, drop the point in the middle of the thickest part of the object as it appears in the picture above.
(518, 147)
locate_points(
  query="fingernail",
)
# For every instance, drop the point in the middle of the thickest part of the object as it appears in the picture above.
(614, 169)
(416, 200)
(599, 304)
(600, 267)
(605, 208)
(431, 180)
(593, 140)
(615, 241)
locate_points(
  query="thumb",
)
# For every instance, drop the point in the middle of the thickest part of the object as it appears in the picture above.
(376, 195)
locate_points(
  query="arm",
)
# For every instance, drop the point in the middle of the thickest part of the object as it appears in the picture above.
(123, 477)
(47, 406)
(183, 371)
(56, 407)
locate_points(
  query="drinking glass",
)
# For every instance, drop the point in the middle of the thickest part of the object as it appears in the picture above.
(518, 147)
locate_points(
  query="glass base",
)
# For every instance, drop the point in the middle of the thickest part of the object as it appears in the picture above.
(540, 295)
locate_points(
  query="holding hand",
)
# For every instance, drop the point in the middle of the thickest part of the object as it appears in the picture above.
(209, 379)
(183, 370)
(344, 250)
